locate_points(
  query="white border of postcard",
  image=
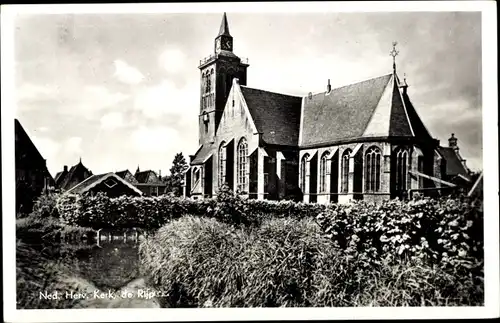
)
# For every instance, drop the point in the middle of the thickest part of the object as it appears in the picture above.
(490, 167)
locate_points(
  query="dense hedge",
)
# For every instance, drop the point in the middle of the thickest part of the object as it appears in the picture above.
(203, 262)
(100, 211)
(447, 231)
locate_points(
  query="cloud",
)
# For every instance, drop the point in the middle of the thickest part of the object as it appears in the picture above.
(73, 145)
(112, 120)
(165, 98)
(46, 146)
(81, 101)
(157, 139)
(126, 73)
(172, 60)
(29, 91)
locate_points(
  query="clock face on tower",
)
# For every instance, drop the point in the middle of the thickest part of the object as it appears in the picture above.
(227, 44)
(217, 44)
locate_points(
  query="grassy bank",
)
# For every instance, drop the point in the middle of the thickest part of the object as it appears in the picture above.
(204, 262)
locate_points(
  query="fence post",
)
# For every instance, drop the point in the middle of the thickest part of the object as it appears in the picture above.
(98, 238)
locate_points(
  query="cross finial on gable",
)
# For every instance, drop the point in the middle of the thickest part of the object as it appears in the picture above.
(394, 53)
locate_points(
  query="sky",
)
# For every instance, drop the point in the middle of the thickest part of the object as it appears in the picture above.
(122, 90)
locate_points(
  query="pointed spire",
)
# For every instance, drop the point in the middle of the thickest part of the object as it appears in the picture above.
(137, 170)
(80, 159)
(224, 27)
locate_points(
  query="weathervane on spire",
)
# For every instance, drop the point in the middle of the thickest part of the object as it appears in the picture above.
(394, 53)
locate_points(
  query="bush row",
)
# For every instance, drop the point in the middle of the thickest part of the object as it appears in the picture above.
(150, 213)
(203, 262)
(444, 231)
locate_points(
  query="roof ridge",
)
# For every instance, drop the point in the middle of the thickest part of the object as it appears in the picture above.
(282, 94)
(81, 183)
(355, 83)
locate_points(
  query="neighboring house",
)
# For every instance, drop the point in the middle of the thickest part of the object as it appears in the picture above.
(127, 175)
(110, 184)
(32, 176)
(149, 182)
(360, 141)
(67, 179)
(455, 169)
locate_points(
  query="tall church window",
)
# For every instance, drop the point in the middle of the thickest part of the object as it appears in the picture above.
(372, 169)
(242, 165)
(222, 164)
(303, 171)
(208, 82)
(401, 169)
(323, 171)
(345, 171)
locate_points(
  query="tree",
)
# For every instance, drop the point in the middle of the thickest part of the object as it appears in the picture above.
(175, 180)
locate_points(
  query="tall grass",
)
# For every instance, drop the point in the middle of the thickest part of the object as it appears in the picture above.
(286, 262)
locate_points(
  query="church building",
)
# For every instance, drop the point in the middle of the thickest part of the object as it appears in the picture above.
(361, 141)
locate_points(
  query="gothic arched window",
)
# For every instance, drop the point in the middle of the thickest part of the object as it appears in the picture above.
(242, 165)
(345, 171)
(372, 169)
(222, 164)
(303, 171)
(401, 168)
(208, 81)
(323, 171)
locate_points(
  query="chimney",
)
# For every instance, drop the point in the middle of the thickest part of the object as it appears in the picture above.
(65, 168)
(452, 142)
(405, 85)
(159, 173)
(328, 87)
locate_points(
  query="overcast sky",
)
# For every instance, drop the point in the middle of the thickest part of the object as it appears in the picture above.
(122, 90)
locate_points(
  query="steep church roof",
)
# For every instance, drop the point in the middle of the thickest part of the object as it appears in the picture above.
(276, 116)
(372, 108)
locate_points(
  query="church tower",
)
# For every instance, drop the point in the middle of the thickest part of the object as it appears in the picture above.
(217, 72)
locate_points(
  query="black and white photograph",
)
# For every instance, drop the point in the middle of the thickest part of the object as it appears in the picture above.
(228, 161)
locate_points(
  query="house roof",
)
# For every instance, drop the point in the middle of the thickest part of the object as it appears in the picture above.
(203, 154)
(59, 175)
(94, 180)
(26, 151)
(276, 116)
(78, 170)
(144, 176)
(371, 108)
(123, 174)
(453, 164)
(24, 141)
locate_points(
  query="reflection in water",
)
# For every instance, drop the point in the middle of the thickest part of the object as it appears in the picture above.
(108, 264)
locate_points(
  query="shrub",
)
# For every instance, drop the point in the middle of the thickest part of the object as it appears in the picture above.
(202, 262)
(150, 213)
(46, 205)
(448, 231)
(193, 259)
